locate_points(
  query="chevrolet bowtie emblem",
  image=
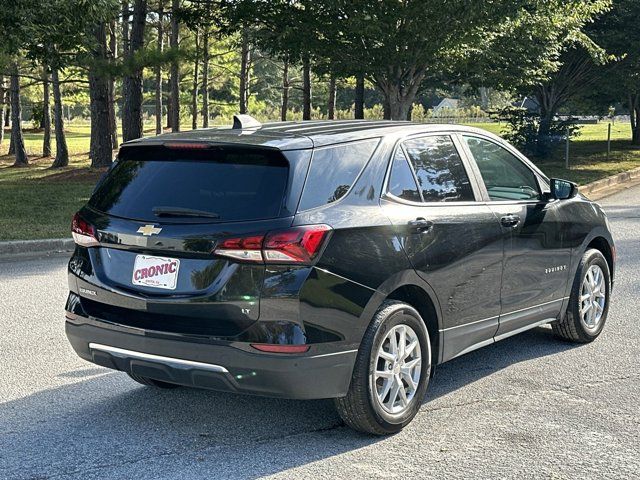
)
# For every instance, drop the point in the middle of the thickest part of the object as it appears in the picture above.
(149, 230)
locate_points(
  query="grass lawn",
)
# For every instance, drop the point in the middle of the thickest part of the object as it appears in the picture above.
(37, 202)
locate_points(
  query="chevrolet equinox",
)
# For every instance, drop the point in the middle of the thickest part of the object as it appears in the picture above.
(341, 259)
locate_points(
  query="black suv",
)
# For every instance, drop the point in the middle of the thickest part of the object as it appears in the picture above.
(328, 260)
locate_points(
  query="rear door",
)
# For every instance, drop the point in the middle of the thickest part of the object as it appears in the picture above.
(160, 213)
(453, 241)
(536, 256)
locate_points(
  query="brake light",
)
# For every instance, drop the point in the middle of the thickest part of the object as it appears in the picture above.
(274, 348)
(295, 245)
(83, 232)
(187, 145)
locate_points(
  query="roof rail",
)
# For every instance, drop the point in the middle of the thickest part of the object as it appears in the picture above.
(245, 121)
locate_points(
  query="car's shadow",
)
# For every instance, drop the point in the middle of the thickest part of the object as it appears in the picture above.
(106, 425)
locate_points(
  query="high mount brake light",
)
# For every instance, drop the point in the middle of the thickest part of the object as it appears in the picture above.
(294, 245)
(83, 232)
(187, 145)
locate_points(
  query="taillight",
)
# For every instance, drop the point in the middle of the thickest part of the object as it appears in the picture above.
(294, 245)
(83, 232)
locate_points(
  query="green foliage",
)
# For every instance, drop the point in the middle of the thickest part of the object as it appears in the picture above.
(523, 130)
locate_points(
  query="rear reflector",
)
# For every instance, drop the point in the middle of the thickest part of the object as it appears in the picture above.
(273, 348)
(294, 245)
(83, 232)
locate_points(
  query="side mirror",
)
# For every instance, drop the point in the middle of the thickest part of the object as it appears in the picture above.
(563, 189)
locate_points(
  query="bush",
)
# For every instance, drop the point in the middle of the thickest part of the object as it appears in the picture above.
(523, 130)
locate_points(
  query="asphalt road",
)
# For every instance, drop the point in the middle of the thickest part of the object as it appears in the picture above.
(530, 406)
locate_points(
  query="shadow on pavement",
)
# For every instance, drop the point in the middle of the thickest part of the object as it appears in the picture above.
(105, 423)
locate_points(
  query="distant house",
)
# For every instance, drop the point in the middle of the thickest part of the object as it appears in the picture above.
(446, 104)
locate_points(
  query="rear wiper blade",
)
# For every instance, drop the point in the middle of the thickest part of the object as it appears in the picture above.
(182, 212)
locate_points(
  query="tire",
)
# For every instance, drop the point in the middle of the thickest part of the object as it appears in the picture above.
(576, 326)
(150, 382)
(361, 408)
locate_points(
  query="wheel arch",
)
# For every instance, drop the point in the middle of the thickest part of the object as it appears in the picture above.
(607, 249)
(410, 288)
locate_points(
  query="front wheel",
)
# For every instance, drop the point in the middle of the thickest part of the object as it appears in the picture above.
(589, 300)
(391, 373)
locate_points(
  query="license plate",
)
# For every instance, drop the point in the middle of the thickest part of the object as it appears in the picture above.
(157, 272)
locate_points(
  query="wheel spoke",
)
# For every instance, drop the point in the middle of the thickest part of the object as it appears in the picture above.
(389, 357)
(403, 393)
(410, 348)
(402, 343)
(409, 379)
(384, 374)
(385, 389)
(411, 364)
(395, 390)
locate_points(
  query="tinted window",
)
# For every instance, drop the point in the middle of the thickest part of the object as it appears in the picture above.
(332, 172)
(240, 185)
(402, 183)
(441, 174)
(505, 175)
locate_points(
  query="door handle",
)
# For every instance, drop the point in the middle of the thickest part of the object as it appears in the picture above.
(421, 225)
(510, 221)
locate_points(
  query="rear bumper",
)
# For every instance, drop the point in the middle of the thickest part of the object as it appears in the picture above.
(222, 367)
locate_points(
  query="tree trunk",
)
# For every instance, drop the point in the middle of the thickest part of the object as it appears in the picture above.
(7, 115)
(205, 78)
(132, 81)
(306, 88)
(3, 90)
(62, 153)
(331, 106)
(399, 94)
(46, 114)
(634, 111)
(285, 91)
(194, 90)
(160, 48)
(101, 148)
(125, 27)
(359, 98)
(113, 53)
(16, 120)
(175, 68)
(245, 67)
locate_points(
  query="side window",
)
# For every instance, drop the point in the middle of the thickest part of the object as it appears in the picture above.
(402, 183)
(332, 172)
(439, 168)
(505, 175)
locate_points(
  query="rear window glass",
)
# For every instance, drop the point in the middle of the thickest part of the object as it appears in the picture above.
(333, 170)
(222, 185)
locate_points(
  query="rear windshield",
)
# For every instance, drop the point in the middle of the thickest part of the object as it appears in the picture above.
(225, 186)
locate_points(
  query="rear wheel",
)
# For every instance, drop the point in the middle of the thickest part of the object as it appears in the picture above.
(391, 373)
(589, 300)
(151, 382)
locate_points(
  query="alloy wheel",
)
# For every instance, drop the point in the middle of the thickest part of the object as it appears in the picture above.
(593, 298)
(397, 368)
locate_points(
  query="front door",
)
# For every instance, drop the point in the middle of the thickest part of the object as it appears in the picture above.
(453, 242)
(536, 260)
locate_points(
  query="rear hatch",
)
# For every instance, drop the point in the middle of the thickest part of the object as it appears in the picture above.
(159, 216)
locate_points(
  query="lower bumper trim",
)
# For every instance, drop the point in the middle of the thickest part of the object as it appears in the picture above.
(172, 362)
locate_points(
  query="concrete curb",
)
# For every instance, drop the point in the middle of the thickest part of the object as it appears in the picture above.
(607, 186)
(595, 191)
(27, 247)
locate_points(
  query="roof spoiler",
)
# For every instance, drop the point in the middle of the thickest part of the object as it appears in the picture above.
(245, 121)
